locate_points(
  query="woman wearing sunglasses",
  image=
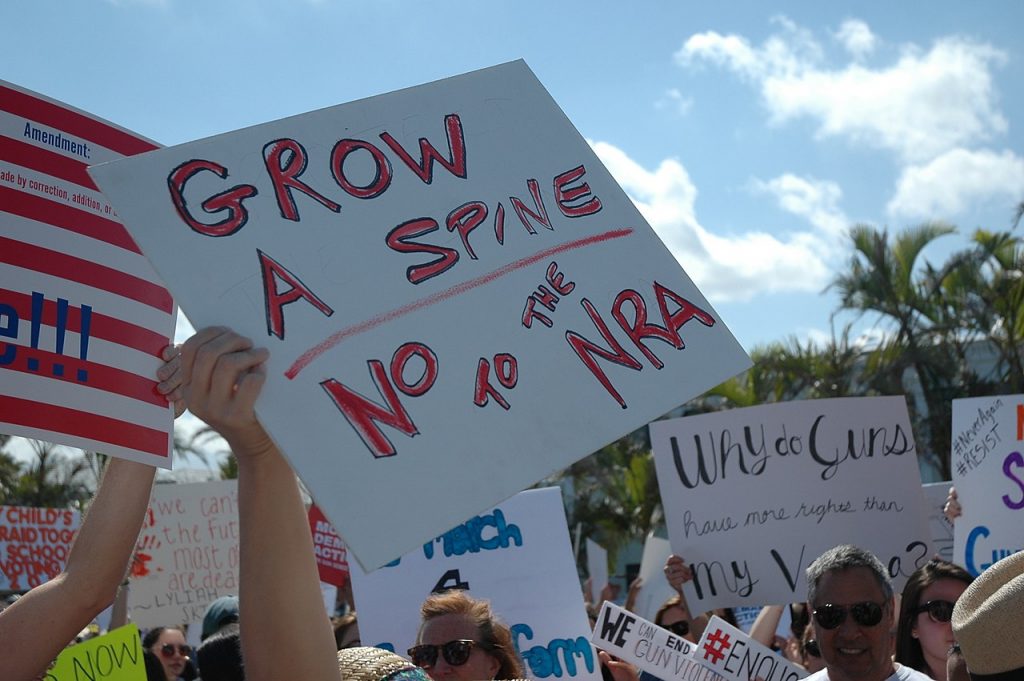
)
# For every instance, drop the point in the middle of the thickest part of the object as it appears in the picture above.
(168, 644)
(461, 639)
(925, 634)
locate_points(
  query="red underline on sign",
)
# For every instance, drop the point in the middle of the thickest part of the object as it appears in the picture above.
(309, 355)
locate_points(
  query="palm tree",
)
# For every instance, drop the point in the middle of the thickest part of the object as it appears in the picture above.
(886, 275)
(52, 480)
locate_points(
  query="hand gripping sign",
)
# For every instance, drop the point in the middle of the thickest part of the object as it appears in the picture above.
(457, 297)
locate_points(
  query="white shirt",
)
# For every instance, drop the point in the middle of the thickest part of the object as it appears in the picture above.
(902, 673)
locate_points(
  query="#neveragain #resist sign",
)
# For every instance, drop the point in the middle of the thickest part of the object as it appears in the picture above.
(988, 473)
(453, 289)
(752, 496)
(83, 316)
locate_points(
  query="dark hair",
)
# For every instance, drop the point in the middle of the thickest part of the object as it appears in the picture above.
(675, 601)
(220, 656)
(341, 627)
(154, 668)
(150, 639)
(846, 557)
(908, 648)
(495, 636)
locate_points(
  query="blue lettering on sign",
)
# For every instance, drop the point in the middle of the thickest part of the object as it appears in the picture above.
(544, 660)
(972, 551)
(469, 536)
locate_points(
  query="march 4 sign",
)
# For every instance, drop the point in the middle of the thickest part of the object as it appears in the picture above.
(988, 473)
(34, 544)
(187, 554)
(752, 496)
(518, 557)
(453, 289)
(83, 316)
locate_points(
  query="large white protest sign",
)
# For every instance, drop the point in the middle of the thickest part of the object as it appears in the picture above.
(597, 568)
(454, 291)
(517, 556)
(642, 643)
(655, 589)
(735, 656)
(752, 496)
(935, 495)
(34, 544)
(187, 555)
(83, 316)
(988, 473)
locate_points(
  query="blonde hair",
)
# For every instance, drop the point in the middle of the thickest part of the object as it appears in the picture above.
(494, 636)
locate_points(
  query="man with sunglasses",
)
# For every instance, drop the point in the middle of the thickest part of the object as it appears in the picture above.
(853, 615)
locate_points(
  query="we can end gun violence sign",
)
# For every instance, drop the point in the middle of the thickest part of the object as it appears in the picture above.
(455, 293)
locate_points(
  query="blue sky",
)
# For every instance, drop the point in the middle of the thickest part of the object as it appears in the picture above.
(751, 134)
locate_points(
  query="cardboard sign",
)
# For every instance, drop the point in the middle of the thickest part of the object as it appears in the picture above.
(935, 495)
(116, 656)
(988, 473)
(753, 496)
(597, 568)
(83, 316)
(518, 557)
(454, 291)
(187, 556)
(329, 548)
(735, 656)
(656, 589)
(642, 643)
(34, 544)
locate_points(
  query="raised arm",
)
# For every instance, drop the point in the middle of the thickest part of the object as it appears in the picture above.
(285, 629)
(49, 616)
(39, 625)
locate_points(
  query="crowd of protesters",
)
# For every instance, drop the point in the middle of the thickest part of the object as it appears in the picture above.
(852, 627)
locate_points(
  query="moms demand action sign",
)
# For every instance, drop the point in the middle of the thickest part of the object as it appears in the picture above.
(454, 291)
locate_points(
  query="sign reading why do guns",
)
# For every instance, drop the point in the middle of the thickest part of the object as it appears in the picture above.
(518, 557)
(752, 496)
(988, 473)
(83, 316)
(454, 291)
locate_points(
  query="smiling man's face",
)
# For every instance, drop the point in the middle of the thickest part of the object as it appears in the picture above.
(853, 651)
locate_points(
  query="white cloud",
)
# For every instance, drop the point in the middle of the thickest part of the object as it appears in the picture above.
(726, 268)
(857, 38)
(675, 100)
(815, 200)
(921, 106)
(953, 182)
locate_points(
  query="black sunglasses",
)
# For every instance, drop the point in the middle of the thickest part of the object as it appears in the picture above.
(939, 611)
(811, 648)
(680, 628)
(455, 653)
(830, 616)
(167, 650)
